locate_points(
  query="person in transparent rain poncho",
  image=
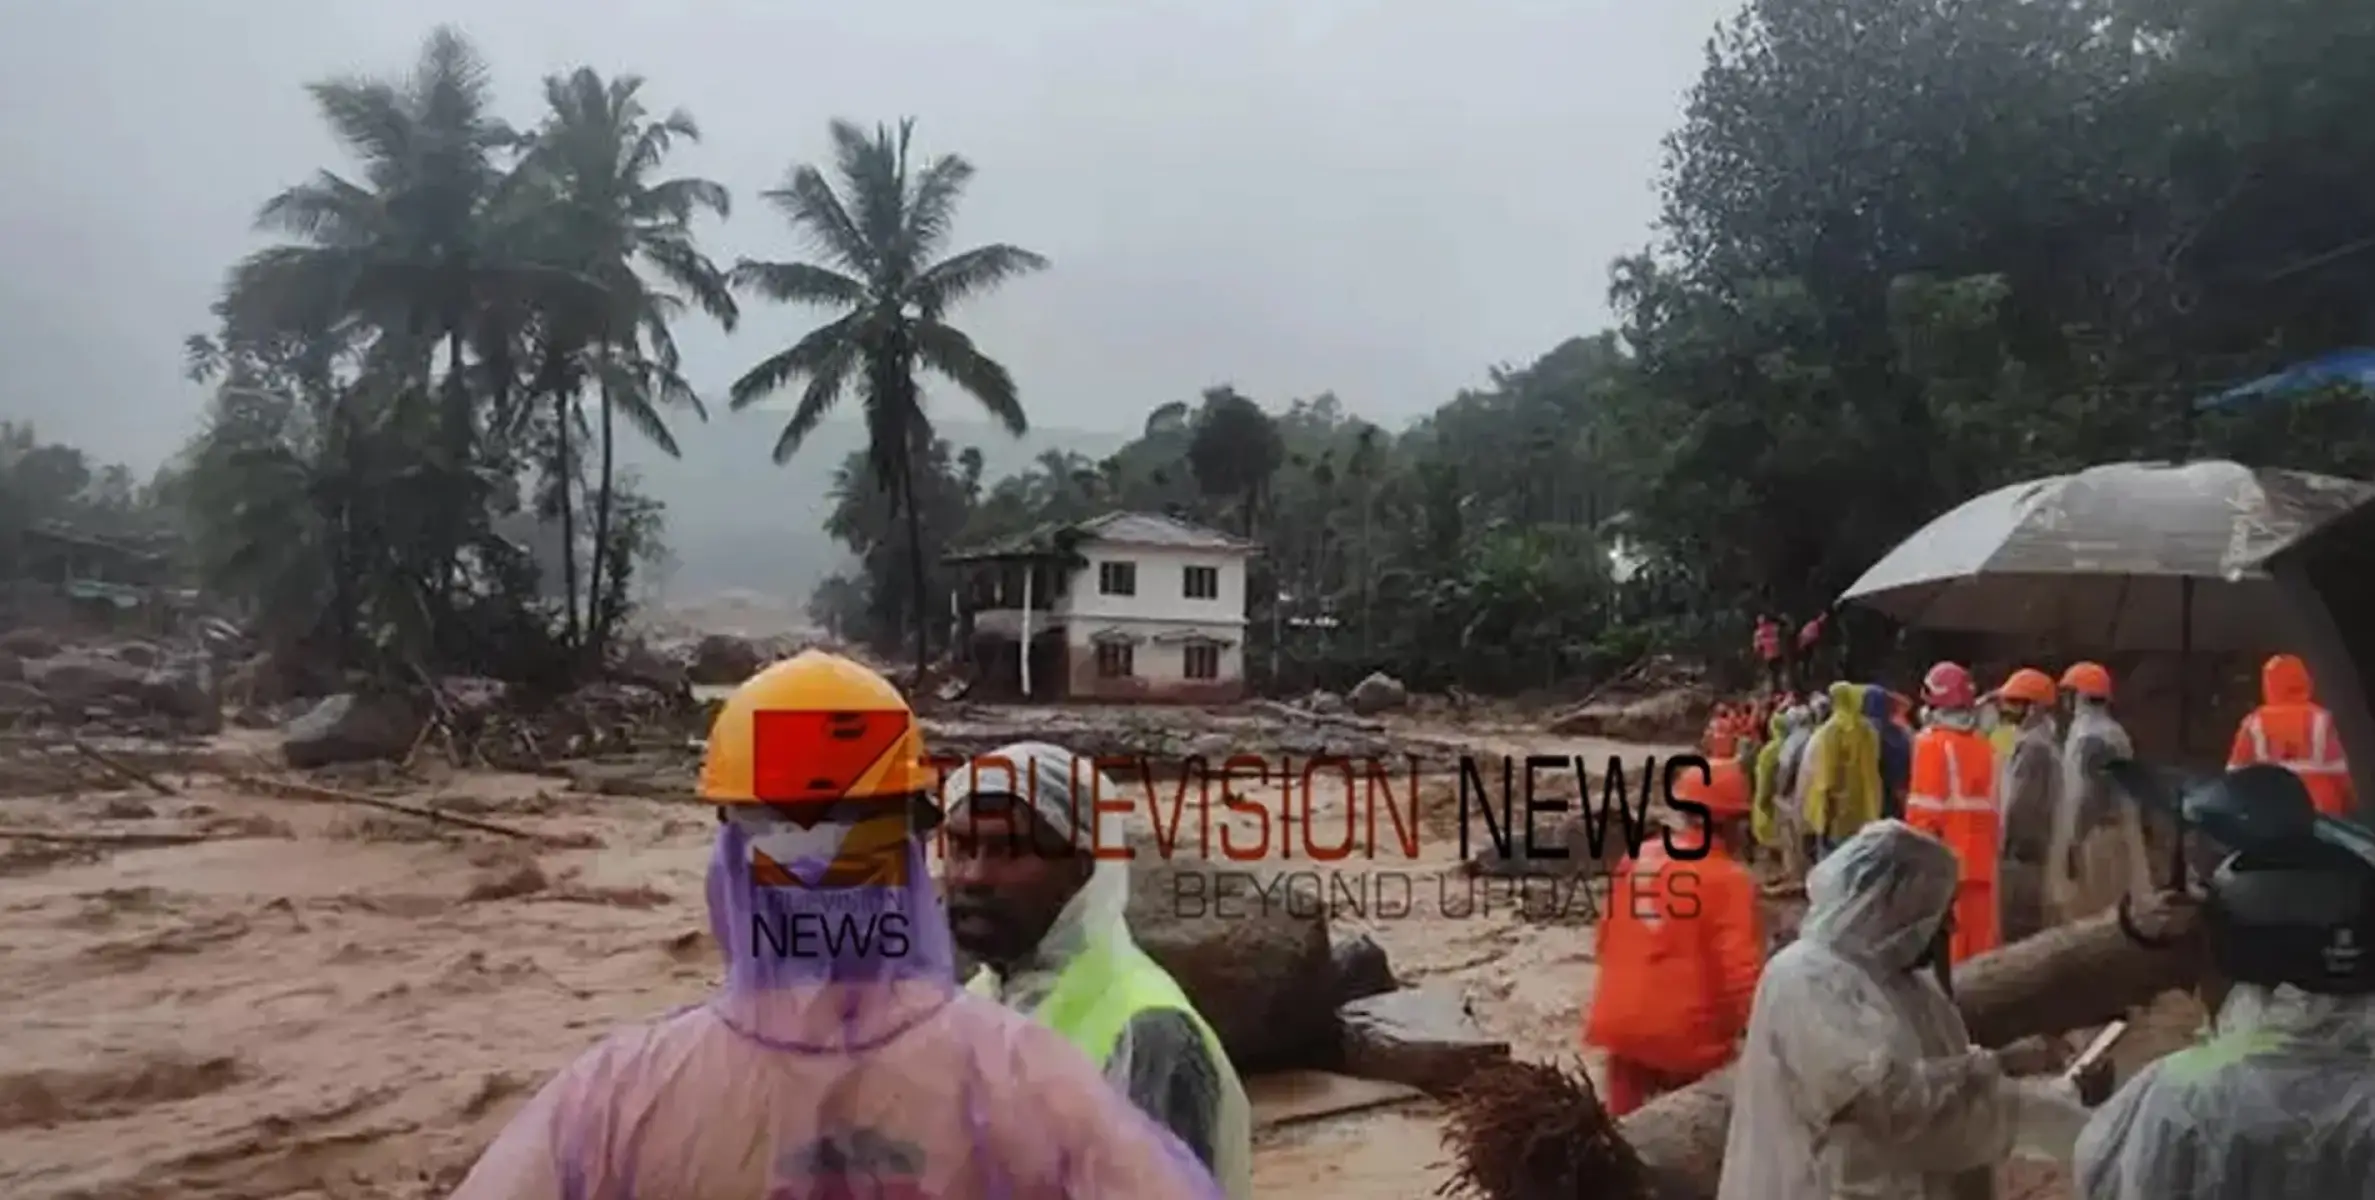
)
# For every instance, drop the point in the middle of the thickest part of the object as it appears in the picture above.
(838, 1058)
(1857, 1078)
(2098, 852)
(2279, 1102)
(1030, 896)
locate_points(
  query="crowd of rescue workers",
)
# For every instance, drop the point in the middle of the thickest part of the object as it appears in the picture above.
(1073, 1065)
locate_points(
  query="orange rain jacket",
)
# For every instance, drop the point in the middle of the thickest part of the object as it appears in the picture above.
(1680, 951)
(2290, 729)
(1952, 797)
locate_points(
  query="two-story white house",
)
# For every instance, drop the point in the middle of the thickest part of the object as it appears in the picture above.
(1129, 606)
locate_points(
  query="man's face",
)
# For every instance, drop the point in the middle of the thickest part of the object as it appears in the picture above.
(2012, 712)
(1007, 878)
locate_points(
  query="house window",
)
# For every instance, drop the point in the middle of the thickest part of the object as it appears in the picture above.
(1117, 579)
(1200, 660)
(1114, 659)
(1200, 583)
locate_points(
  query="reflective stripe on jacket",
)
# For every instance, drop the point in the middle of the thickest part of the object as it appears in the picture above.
(2300, 738)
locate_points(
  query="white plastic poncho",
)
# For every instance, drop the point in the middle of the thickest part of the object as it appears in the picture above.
(1857, 1078)
(2097, 853)
(2280, 1102)
(1062, 789)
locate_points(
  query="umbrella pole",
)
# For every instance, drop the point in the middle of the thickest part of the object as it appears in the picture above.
(2185, 710)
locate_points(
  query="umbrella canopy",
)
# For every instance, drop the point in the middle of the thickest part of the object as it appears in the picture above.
(2115, 557)
(2342, 368)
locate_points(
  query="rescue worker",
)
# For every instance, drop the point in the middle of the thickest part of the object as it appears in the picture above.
(2029, 779)
(1030, 897)
(1789, 790)
(2278, 1101)
(838, 1057)
(1767, 644)
(1858, 1077)
(1842, 771)
(1767, 824)
(1679, 952)
(1721, 739)
(1809, 645)
(1895, 742)
(2098, 853)
(1953, 799)
(2000, 729)
(2290, 729)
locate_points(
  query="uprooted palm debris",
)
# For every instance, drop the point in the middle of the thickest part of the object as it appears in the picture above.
(1535, 1131)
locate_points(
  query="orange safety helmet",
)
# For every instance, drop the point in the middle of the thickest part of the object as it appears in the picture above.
(1726, 794)
(2088, 679)
(812, 730)
(2029, 686)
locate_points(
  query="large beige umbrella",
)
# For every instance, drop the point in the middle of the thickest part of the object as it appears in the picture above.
(2124, 556)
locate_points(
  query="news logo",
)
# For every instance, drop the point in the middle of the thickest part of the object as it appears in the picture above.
(815, 835)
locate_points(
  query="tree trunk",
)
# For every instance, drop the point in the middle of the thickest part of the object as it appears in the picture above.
(917, 601)
(1368, 570)
(2071, 977)
(603, 606)
(568, 480)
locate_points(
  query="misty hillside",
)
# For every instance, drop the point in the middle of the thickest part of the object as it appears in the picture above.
(736, 520)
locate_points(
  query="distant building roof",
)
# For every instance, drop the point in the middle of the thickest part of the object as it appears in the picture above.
(57, 534)
(1062, 540)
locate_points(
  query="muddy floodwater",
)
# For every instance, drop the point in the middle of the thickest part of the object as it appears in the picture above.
(309, 999)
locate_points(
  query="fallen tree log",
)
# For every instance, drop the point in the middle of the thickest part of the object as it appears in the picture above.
(2088, 973)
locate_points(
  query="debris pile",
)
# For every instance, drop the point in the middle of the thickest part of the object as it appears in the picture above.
(1657, 699)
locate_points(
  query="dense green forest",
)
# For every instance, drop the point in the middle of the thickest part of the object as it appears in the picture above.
(1906, 252)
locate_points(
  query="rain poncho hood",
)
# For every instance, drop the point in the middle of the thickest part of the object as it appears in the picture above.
(2284, 679)
(823, 1067)
(1842, 789)
(2279, 1102)
(1857, 1079)
(1063, 791)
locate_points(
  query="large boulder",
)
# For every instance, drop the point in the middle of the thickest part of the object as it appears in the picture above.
(184, 690)
(722, 658)
(352, 728)
(30, 642)
(1378, 693)
(1259, 970)
(74, 682)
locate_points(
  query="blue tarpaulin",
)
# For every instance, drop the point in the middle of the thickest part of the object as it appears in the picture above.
(2342, 368)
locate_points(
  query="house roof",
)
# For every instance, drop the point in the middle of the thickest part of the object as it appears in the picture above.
(1061, 540)
(57, 534)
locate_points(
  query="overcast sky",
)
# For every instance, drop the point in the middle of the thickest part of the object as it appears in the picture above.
(1380, 198)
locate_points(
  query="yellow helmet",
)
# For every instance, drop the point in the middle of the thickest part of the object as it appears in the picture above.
(814, 729)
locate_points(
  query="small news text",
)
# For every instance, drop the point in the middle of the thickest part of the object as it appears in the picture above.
(1396, 895)
(1250, 807)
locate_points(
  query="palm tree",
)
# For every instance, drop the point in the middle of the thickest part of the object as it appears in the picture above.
(409, 258)
(610, 222)
(410, 253)
(879, 238)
